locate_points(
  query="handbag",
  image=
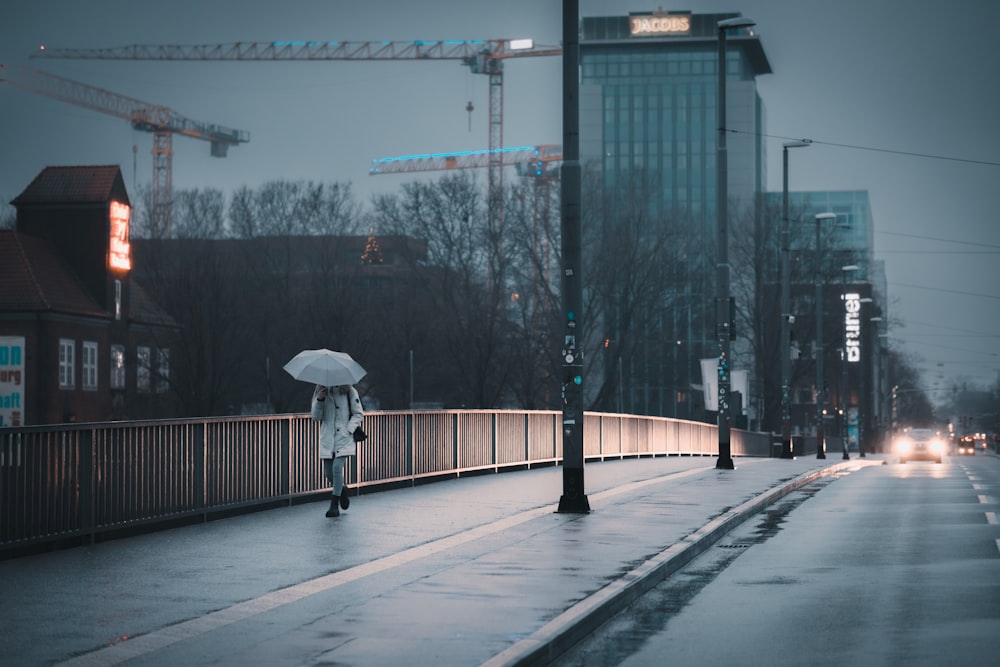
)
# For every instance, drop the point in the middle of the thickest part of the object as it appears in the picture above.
(359, 433)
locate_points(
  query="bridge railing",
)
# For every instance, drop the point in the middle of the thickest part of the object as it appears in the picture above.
(74, 482)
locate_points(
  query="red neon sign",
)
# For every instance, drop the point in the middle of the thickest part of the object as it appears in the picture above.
(119, 251)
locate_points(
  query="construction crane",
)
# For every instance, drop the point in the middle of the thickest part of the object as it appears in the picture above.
(527, 158)
(480, 56)
(162, 121)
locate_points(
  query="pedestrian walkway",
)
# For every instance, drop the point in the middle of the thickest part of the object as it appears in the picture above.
(465, 572)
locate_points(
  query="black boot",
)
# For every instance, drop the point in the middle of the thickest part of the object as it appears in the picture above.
(345, 502)
(334, 510)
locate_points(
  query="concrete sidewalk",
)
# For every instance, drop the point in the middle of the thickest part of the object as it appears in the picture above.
(464, 572)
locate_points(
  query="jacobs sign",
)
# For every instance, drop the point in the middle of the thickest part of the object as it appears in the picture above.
(660, 24)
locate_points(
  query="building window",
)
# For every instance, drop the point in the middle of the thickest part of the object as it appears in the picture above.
(117, 366)
(89, 365)
(67, 349)
(142, 363)
(162, 371)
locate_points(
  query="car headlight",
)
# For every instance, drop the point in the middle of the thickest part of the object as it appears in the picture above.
(937, 446)
(903, 445)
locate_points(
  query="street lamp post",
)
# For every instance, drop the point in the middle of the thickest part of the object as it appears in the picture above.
(786, 310)
(723, 320)
(574, 499)
(820, 392)
(844, 395)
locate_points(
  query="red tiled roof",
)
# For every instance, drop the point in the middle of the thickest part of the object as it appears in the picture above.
(71, 185)
(32, 278)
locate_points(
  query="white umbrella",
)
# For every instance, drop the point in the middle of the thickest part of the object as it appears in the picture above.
(325, 367)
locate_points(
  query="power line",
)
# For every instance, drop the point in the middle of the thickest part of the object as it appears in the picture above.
(947, 328)
(939, 240)
(938, 252)
(871, 148)
(949, 291)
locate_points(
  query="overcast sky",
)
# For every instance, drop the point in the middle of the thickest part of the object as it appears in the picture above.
(888, 77)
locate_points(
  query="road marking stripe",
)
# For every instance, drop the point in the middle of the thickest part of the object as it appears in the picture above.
(984, 500)
(991, 518)
(977, 487)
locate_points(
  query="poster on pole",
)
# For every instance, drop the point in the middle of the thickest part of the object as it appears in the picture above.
(739, 381)
(710, 383)
(11, 381)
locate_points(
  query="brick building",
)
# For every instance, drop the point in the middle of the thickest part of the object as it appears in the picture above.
(79, 339)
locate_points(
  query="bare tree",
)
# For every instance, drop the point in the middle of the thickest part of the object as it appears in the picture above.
(637, 265)
(911, 407)
(285, 208)
(192, 279)
(466, 273)
(199, 214)
(532, 227)
(295, 274)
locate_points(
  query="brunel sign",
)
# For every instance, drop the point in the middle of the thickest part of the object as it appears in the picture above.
(852, 326)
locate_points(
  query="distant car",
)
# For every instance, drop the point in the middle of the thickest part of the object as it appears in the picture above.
(920, 444)
(967, 446)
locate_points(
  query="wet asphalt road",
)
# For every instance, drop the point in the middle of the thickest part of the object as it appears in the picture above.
(887, 565)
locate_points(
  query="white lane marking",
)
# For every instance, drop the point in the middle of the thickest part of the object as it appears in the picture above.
(991, 518)
(977, 487)
(984, 500)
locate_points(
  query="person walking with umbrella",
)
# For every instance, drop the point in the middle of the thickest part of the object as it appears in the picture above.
(337, 406)
(339, 412)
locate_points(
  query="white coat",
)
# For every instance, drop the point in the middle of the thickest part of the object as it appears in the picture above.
(339, 415)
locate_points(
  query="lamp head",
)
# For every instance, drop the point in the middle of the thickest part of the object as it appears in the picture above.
(825, 216)
(736, 23)
(797, 144)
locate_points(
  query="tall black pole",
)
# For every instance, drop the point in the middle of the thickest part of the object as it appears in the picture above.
(820, 384)
(723, 310)
(845, 395)
(573, 499)
(722, 323)
(787, 450)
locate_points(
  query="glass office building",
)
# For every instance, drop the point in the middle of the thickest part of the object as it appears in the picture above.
(648, 102)
(648, 113)
(850, 241)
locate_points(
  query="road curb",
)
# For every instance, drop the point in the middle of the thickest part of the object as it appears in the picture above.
(558, 635)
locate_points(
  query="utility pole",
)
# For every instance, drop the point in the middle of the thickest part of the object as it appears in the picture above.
(723, 300)
(787, 450)
(573, 499)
